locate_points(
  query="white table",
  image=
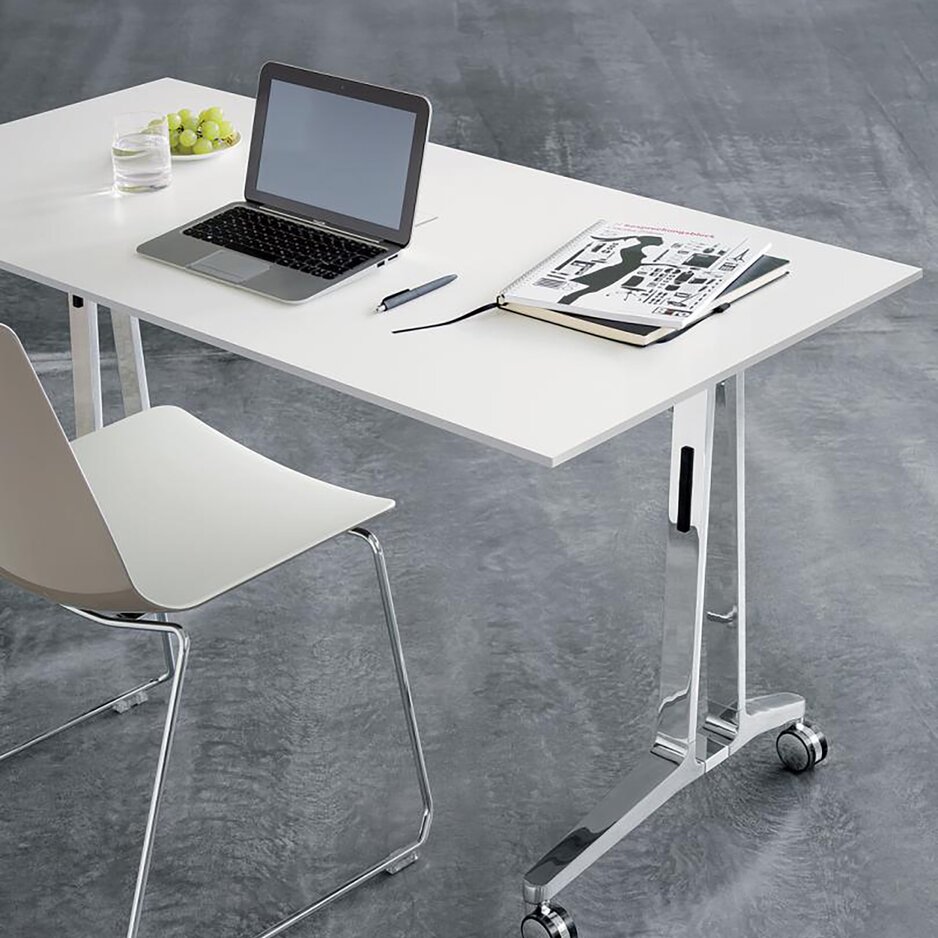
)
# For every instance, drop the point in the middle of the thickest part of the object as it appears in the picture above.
(542, 393)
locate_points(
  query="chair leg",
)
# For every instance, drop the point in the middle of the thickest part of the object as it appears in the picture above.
(177, 657)
(403, 856)
(114, 703)
(169, 730)
(403, 682)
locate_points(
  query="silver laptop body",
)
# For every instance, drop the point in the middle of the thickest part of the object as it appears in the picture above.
(341, 160)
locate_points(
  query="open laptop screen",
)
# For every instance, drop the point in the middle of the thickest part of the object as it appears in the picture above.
(334, 155)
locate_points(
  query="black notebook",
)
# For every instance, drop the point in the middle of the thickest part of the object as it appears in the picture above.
(764, 271)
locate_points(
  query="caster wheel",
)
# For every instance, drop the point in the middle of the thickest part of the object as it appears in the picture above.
(801, 746)
(548, 922)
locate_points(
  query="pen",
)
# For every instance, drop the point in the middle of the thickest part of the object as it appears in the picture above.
(405, 296)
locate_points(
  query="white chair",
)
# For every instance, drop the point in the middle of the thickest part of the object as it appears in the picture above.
(159, 513)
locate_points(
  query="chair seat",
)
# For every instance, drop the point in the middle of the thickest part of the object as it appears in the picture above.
(195, 514)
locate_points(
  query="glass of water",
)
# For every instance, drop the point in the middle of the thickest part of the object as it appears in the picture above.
(140, 152)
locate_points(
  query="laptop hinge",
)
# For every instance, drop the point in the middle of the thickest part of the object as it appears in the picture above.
(316, 223)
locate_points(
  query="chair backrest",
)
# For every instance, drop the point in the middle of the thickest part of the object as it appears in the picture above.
(53, 538)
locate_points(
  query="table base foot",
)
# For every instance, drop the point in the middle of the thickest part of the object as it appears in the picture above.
(721, 736)
(657, 777)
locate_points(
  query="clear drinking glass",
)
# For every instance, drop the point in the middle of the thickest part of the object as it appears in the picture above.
(140, 152)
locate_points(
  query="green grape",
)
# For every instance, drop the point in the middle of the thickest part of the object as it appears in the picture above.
(225, 129)
(202, 146)
(219, 145)
(185, 151)
(188, 137)
(173, 139)
(173, 121)
(191, 122)
(184, 113)
(209, 130)
(203, 115)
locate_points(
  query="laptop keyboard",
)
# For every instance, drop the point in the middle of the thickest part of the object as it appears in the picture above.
(283, 242)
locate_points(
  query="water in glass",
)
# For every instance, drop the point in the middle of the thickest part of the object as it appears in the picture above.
(140, 153)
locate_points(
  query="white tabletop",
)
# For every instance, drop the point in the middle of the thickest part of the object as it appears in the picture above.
(533, 389)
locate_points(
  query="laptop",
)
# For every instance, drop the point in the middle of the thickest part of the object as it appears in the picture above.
(330, 192)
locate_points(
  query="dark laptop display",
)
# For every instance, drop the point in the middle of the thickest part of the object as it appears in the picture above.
(358, 168)
(337, 150)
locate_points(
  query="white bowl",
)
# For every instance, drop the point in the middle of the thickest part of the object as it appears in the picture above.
(187, 157)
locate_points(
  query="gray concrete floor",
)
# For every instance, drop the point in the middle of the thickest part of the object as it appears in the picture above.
(529, 600)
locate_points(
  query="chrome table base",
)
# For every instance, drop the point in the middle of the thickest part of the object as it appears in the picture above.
(704, 714)
(86, 363)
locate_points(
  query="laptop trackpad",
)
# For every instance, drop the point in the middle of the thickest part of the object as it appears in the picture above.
(229, 265)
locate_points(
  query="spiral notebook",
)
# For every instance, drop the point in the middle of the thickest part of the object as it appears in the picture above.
(616, 272)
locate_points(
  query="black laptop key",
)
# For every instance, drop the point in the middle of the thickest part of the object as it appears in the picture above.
(280, 241)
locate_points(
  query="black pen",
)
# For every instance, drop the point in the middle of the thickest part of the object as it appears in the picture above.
(405, 296)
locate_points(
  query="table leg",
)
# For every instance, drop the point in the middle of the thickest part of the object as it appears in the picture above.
(130, 363)
(732, 719)
(700, 723)
(86, 364)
